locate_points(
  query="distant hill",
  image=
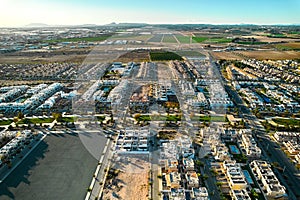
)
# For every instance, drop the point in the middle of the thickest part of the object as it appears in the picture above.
(36, 25)
(126, 24)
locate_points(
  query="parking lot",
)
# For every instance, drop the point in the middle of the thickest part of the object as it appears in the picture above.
(58, 168)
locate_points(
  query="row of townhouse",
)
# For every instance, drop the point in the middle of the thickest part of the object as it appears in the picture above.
(34, 101)
(248, 145)
(13, 93)
(15, 145)
(232, 179)
(267, 181)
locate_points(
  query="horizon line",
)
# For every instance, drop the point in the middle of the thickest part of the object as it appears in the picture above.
(44, 25)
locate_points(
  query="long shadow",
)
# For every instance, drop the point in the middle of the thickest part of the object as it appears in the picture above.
(21, 173)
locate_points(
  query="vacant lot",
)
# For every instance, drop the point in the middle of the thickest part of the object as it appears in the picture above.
(227, 55)
(131, 183)
(58, 168)
(134, 56)
(269, 39)
(276, 55)
(260, 55)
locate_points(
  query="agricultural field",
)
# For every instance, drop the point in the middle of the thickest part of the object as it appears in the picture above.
(164, 55)
(190, 54)
(199, 39)
(289, 46)
(183, 39)
(130, 37)
(156, 38)
(219, 40)
(168, 38)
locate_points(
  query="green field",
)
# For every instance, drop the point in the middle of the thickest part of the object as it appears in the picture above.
(169, 39)
(85, 39)
(290, 122)
(166, 118)
(183, 39)
(190, 53)
(209, 118)
(158, 118)
(285, 47)
(5, 122)
(251, 43)
(143, 118)
(295, 33)
(199, 39)
(67, 119)
(276, 36)
(35, 120)
(164, 56)
(218, 40)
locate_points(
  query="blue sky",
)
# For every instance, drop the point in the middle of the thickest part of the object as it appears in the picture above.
(71, 12)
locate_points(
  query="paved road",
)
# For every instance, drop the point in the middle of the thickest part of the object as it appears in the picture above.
(210, 182)
(58, 168)
(276, 155)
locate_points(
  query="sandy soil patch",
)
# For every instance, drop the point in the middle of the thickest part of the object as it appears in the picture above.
(270, 39)
(260, 55)
(130, 181)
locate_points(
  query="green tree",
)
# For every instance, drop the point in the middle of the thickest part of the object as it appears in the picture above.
(20, 115)
(57, 116)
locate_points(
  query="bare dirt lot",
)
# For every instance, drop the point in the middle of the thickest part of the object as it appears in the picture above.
(227, 55)
(129, 180)
(260, 55)
(135, 56)
(270, 39)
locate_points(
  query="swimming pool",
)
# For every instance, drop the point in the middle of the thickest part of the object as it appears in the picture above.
(248, 177)
(234, 149)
